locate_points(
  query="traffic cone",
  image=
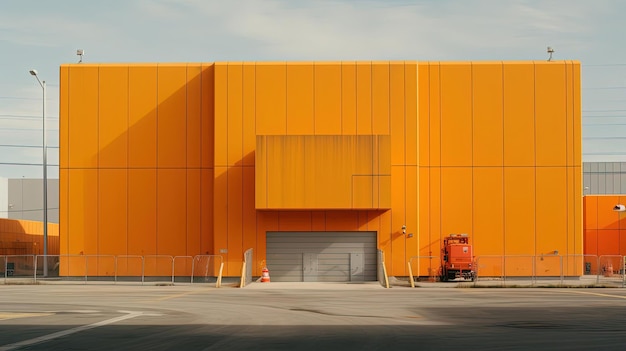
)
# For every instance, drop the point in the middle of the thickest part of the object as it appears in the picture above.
(265, 275)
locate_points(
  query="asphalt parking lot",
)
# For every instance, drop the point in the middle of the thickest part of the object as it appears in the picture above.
(304, 316)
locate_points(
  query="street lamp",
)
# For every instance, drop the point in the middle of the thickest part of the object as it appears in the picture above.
(45, 177)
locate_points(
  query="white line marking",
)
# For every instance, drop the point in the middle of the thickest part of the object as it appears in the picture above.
(68, 332)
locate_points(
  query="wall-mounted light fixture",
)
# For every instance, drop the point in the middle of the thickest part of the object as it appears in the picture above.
(403, 229)
(619, 208)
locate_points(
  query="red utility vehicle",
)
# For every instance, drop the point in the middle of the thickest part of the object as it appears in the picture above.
(457, 258)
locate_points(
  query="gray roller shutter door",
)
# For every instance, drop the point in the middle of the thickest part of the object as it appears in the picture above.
(321, 256)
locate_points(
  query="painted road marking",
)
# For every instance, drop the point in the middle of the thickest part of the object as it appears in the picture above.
(62, 333)
(596, 294)
(13, 315)
(167, 297)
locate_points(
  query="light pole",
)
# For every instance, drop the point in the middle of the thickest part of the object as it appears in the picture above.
(45, 177)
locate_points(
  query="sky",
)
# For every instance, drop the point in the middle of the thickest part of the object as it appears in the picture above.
(43, 34)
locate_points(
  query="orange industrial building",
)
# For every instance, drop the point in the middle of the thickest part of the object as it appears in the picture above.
(319, 164)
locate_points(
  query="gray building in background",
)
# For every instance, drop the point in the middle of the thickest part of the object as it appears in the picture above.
(604, 178)
(23, 199)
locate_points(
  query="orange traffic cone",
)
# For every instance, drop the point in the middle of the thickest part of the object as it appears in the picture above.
(265, 275)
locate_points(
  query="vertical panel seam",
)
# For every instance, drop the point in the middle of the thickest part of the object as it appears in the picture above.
(156, 205)
(535, 150)
(472, 116)
(440, 160)
(186, 158)
(503, 163)
(98, 197)
(127, 155)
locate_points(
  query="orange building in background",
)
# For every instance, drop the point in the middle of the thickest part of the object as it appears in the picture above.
(315, 165)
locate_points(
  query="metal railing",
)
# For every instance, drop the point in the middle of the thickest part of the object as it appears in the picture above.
(532, 270)
(113, 268)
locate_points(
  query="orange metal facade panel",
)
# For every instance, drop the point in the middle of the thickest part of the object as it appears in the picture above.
(456, 114)
(318, 221)
(398, 116)
(112, 203)
(364, 98)
(607, 218)
(423, 89)
(235, 220)
(171, 115)
(385, 236)
(64, 239)
(249, 113)
(411, 204)
(590, 204)
(488, 114)
(294, 221)
(348, 98)
(113, 117)
(249, 220)
(519, 211)
(362, 192)
(608, 242)
(551, 210)
(622, 242)
(171, 212)
(456, 200)
(342, 220)
(381, 92)
(577, 115)
(435, 233)
(220, 213)
(266, 221)
(397, 258)
(550, 114)
(208, 96)
(260, 173)
(234, 121)
(83, 116)
(142, 116)
(206, 212)
(142, 211)
(220, 136)
(569, 114)
(271, 99)
(519, 114)
(327, 98)
(423, 233)
(63, 117)
(300, 97)
(194, 115)
(410, 111)
(487, 234)
(578, 209)
(194, 212)
(435, 114)
(83, 211)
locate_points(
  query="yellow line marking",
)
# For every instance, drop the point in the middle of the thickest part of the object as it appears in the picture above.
(592, 293)
(12, 315)
(176, 296)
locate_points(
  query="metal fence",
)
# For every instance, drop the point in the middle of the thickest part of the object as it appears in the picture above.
(531, 270)
(111, 268)
(424, 268)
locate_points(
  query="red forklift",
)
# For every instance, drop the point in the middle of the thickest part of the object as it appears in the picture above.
(457, 259)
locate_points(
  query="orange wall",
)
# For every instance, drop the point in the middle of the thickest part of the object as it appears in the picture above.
(160, 159)
(500, 156)
(605, 229)
(136, 154)
(20, 237)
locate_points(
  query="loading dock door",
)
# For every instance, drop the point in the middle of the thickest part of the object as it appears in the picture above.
(321, 256)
